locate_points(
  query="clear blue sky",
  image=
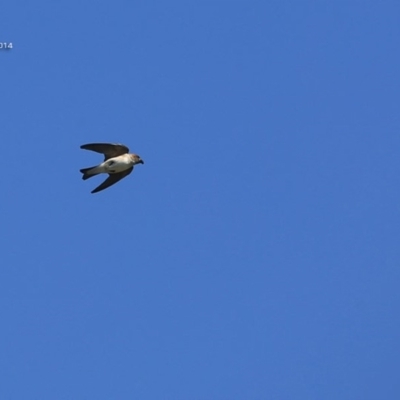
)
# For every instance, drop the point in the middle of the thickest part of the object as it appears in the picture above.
(255, 254)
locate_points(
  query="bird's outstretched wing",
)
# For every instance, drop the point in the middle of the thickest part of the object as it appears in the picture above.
(108, 149)
(112, 178)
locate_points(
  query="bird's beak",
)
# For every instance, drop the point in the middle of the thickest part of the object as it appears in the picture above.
(141, 162)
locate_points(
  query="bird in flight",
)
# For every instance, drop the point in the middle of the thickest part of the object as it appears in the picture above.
(118, 163)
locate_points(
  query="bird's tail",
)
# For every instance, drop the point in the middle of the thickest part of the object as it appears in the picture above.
(89, 172)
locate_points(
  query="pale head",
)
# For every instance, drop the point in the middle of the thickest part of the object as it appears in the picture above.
(136, 159)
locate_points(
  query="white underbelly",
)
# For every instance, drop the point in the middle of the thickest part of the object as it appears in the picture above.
(114, 165)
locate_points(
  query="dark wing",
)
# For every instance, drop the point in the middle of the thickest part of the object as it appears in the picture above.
(113, 178)
(108, 149)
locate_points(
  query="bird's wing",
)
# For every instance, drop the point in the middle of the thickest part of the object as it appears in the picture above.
(108, 149)
(113, 178)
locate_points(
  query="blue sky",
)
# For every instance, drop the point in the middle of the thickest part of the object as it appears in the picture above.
(255, 254)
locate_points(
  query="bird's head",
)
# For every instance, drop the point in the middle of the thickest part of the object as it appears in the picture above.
(137, 159)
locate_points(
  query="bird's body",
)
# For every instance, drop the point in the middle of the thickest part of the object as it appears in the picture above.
(114, 165)
(118, 163)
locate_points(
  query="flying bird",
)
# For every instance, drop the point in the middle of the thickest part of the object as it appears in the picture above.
(118, 163)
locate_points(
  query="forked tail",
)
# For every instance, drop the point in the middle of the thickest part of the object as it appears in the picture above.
(87, 174)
